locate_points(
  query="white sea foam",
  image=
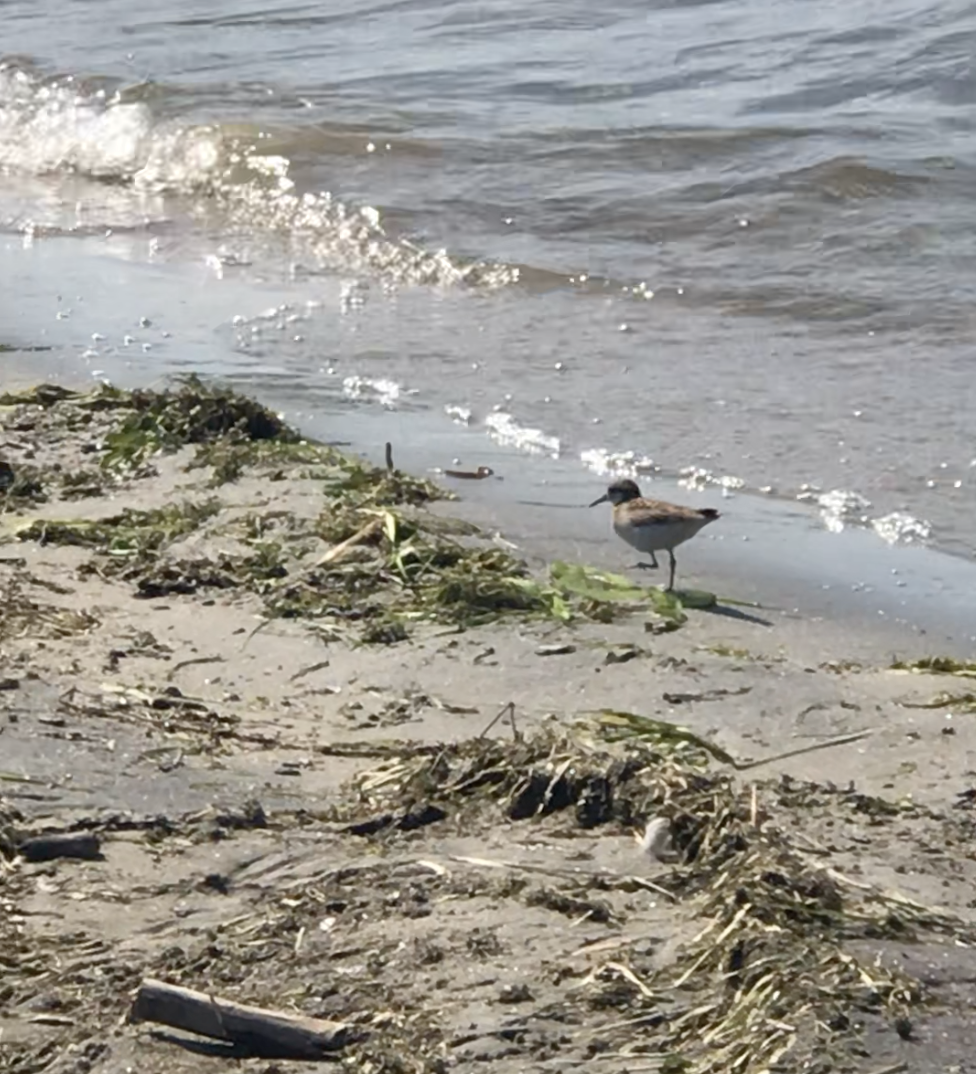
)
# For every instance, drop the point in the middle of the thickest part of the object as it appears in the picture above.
(375, 389)
(617, 463)
(698, 478)
(504, 429)
(839, 507)
(51, 126)
(460, 415)
(901, 528)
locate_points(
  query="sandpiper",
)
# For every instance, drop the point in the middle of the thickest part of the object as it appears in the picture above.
(652, 526)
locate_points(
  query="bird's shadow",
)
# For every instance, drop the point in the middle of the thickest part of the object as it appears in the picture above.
(692, 601)
(729, 612)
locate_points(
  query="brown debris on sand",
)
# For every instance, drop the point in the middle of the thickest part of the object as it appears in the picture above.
(270, 819)
(765, 974)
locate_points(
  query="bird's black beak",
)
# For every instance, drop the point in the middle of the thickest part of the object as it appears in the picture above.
(603, 499)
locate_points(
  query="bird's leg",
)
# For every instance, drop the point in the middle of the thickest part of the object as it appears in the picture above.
(671, 581)
(652, 566)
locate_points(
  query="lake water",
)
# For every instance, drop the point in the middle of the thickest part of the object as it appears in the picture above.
(727, 243)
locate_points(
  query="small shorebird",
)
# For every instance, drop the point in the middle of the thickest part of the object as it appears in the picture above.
(652, 526)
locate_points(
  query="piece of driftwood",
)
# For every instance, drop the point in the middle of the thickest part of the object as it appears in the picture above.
(338, 551)
(85, 845)
(471, 475)
(260, 1032)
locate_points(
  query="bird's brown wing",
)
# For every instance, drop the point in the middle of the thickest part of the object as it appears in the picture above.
(657, 513)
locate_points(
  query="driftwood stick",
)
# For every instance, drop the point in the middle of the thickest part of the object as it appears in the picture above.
(389, 457)
(270, 1034)
(83, 845)
(339, 550)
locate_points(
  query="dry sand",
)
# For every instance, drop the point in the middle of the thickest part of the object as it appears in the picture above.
(476, 942)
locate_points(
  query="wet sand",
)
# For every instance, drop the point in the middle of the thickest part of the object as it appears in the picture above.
(472, 941)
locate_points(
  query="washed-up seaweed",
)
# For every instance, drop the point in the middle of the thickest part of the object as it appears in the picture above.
(387, 567)
(130, 533)
(191, 412)
(937, 665)
(388, 562)
(20, 486)
(961, 702)
(768, 982)
(22, 614)
(771, 976)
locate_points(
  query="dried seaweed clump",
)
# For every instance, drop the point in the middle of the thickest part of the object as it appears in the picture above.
(123, 429)
(22, 616)
(582, 769)
(769, 981)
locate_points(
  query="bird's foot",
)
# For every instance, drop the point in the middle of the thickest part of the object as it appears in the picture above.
(645, 566)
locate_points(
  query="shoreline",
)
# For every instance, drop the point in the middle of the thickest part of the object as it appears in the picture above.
(157, 721)
(848, 587)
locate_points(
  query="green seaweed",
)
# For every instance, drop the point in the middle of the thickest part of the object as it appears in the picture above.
(128, 534)
(44, 395)
(398, 572)
(390, 562)
(191, 412)
(937, 665)
(231, 457)
(730, 651)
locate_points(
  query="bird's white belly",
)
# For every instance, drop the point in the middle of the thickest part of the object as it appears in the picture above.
(655, 538)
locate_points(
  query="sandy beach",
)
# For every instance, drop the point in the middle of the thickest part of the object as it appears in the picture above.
(348, 755)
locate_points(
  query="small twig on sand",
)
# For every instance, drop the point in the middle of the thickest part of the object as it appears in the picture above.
(840, 740)
(256, 630)
(271, 1034)
(340, 549)
(389, 456)
(310, 670)
(508, 709)
(189, 663)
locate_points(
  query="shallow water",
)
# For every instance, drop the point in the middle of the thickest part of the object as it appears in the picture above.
(731, 245)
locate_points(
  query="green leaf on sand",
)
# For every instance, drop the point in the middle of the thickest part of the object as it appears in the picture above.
(695, 598)
(592, 584)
